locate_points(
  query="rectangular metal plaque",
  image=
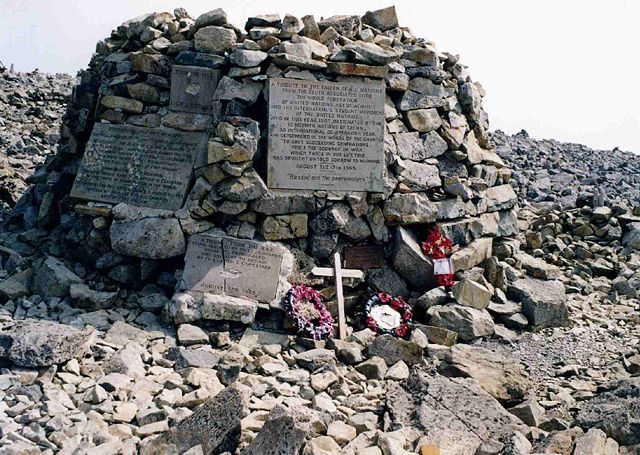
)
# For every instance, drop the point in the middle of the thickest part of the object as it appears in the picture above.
(364, 257)
(442, 266)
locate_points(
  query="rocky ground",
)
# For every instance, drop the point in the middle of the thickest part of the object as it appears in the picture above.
(31, 109)
(100, 371)
(120, 380)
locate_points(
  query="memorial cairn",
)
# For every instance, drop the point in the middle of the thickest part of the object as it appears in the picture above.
(329, 179)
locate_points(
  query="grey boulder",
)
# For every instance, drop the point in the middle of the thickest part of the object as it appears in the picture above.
(214, 425)
(410, 262)
(192, 306)
(32, 343)
(543, 302)
(148, 238)
(393, 350)
(86, 297)
(616, 411)
(284, 432)
(453, 413)
(469, 323)
(53, 278)
(502, 378)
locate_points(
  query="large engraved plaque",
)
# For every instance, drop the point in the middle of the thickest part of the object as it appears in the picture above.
(235, 267)
(326, 135)
(149, 167)
(192, 89)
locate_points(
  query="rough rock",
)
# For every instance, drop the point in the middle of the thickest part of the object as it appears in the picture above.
(32, 343)
(215, 40)
(214, 425)
(393, 350)
(530, 412)
(190, 306)
(543, 302)
(149, 238)
(284, 431)
(410, 262)
(472, 294)
(53, 278)
(616, 411)
(86, 297)
(467, 322)
(455, 415)
(500, 377)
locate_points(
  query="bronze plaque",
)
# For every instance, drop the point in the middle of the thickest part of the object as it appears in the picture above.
(364, 257)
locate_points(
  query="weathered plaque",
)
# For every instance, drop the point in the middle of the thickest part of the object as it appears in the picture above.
(364, 257)
(149, 167)
(226, 265)
(203, 264)
(326, 135)
(192, 89)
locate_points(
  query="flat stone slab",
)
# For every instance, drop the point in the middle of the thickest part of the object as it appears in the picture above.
(453, 414)
(235, 267)
(149, 167)
(326, 135)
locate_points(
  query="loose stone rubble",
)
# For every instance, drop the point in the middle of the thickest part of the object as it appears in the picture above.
(98, 355)
(31, 109)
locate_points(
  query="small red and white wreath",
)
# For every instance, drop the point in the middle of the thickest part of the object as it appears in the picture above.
(388, 315)
(323, 326)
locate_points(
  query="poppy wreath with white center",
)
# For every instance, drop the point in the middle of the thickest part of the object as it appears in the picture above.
(398, 304)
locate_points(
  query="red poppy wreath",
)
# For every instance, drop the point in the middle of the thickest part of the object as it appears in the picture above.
(388, 315)
(317, 329)
(440, 248)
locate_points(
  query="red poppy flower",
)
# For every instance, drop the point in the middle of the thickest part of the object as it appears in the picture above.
(445, 280)
(384, 297)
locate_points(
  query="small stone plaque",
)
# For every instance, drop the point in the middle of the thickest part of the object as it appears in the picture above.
(149, 167)
(326, 135)
(235, 267)
(192, 89)
(364, 257)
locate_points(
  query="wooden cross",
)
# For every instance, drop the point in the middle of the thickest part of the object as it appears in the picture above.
(339, 273)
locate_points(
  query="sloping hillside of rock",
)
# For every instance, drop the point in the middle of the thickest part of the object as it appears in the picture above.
(549, 172)
(31, 110)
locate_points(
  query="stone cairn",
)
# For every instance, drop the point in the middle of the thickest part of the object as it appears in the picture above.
(166, 198)
(439, 167)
